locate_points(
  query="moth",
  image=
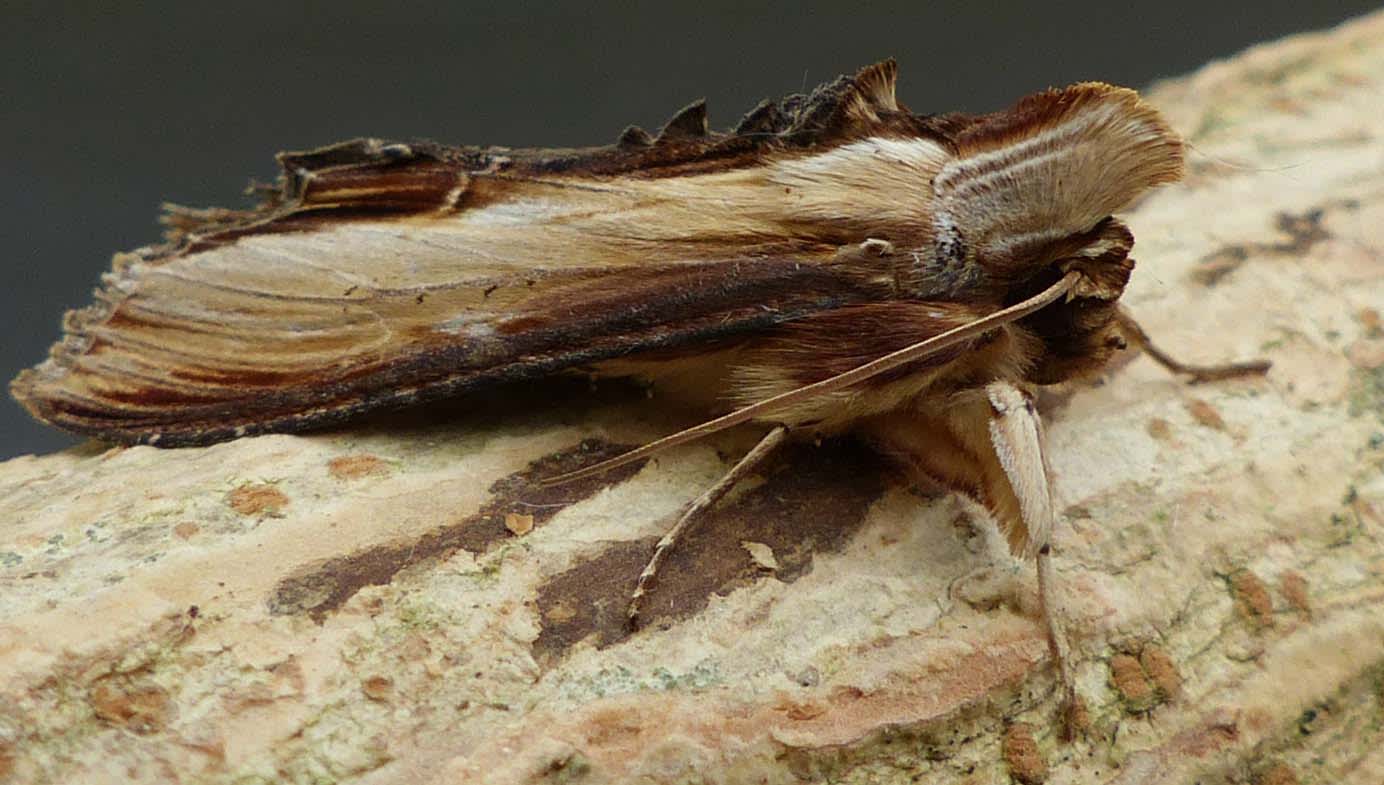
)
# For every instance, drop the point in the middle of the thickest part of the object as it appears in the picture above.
(835, 263)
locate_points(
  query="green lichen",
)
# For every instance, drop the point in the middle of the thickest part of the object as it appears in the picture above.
(609, 681)
(422, 616)
(702, 675)
(1366, 394)
(487, 573)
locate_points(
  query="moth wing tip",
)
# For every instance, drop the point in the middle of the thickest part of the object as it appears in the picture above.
(27, 390)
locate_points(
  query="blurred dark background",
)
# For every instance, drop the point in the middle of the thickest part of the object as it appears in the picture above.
(109, 110)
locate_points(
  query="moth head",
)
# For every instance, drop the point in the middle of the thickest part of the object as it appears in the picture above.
(1034, 188)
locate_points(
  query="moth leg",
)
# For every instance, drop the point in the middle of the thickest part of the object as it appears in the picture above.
(699, 505)
(1199, 373)
(1016, 433)
(987, 444)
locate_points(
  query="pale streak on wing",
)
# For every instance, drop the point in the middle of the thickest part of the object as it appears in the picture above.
(355, 278)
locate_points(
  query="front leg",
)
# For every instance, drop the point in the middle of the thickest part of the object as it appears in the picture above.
(1016, 433)
(988, 445)
(1199, 373)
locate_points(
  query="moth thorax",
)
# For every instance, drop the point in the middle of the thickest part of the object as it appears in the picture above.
(950, 267)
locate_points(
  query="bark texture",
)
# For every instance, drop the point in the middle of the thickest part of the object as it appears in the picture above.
(399, 603)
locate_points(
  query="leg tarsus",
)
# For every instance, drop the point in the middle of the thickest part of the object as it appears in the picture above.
(694, 510)
(1198, 373)
(1074, 715)
(1016, 435)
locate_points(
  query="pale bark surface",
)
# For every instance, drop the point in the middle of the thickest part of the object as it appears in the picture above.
(394, 603)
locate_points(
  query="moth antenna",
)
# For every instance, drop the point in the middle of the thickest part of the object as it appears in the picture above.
(875, 367)
(1229, 164)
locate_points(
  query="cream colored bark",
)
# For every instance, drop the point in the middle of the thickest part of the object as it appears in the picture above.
(394, 603)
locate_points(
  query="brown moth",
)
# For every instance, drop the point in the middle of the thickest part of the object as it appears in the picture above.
(842, 263)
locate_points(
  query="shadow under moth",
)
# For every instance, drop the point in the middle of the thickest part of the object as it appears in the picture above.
(835, 263)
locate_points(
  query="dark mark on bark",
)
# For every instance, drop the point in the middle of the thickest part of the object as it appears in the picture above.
(1303, 231)
(813, 500)
(1221, 262)
(324, 586)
